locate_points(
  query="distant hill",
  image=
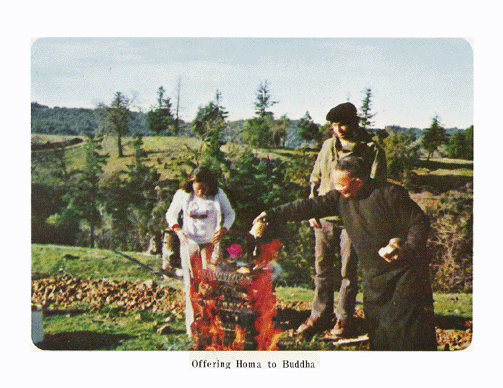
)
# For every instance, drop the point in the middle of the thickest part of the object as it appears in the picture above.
(84, 122)
(75, 121)
(418, 132)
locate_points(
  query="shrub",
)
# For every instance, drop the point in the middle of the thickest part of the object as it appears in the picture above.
(451, 243)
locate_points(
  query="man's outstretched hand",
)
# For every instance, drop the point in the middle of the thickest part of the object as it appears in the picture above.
(259, 225)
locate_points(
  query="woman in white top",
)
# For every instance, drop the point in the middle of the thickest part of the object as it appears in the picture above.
(207, 216)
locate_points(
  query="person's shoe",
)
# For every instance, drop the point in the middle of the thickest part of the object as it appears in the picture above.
(343, 329)
(313, 325)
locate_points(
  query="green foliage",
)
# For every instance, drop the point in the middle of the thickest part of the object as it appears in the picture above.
(51, 183)
(209, 125)
(64, 226)
(264, 100)
(89, 195)
(433, 137)
(257, 132)
(160, 119)
(460, 145)
(279, 131)
(117, 117)
(297, 257)
(130, 202)
(401, 154)
(62, 121)
(263, 131)
(366, 116)
(309, 130)
(116, 227)
(254, 184)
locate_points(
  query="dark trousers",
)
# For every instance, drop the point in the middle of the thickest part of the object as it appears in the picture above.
(332, 242)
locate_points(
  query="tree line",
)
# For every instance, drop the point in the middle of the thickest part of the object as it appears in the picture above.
(263, 130)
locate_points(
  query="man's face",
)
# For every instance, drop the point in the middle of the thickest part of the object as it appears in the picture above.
(347, 186)
(344, 130)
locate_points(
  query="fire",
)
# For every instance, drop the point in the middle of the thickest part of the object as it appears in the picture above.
(239, 339)
(253, 294)
(261, 292)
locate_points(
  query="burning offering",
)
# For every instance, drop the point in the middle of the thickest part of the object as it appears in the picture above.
(234, 306)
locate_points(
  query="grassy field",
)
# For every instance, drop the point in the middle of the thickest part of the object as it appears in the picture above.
(151, 316)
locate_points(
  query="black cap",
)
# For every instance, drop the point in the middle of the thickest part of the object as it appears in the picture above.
(343, 113)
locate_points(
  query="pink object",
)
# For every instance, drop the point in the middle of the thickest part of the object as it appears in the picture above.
(234, 251)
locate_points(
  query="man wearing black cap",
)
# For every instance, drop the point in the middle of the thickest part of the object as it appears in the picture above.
(330, 238)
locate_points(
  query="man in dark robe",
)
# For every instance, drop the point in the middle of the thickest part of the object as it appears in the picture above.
(397, 300)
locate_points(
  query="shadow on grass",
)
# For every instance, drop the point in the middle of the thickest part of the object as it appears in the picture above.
(438, 184)
(291, 319)
(82, 340)
(443, 165)
(451, 322)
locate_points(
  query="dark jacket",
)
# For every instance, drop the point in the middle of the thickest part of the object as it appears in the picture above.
(334, 150)
(398, 301)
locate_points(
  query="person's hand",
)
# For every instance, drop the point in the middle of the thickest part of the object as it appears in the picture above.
(218, 235)
(260, 218)
(314, 223)
(390, 257)
(259, 225)
(392, 251)
(181, 235)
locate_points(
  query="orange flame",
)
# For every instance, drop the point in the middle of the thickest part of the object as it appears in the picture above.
(239, 339)
(260, 292)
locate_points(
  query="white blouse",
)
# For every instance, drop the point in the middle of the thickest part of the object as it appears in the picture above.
(202, 217)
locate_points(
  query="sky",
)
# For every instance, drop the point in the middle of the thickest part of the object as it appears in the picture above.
(412, 80)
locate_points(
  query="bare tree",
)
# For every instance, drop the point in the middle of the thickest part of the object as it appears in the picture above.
(177, 113)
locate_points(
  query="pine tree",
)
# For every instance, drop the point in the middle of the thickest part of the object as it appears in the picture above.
(140, 184)
(88, 197)
(209, 125)
(159, 118)
(117, 117)
(366, 116)
(258, 131)
(433, 137)
(264, 100)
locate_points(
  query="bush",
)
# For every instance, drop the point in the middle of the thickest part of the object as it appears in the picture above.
(401, 153)
(451, 242)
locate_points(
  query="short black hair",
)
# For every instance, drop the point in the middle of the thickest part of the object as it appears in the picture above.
(354, 165)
